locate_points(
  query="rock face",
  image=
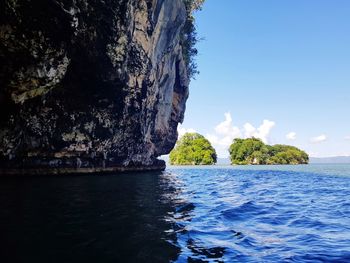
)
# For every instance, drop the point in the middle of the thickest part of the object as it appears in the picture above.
(88, 84)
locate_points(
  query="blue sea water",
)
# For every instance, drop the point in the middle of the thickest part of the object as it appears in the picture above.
(265, 214)
(185, 214)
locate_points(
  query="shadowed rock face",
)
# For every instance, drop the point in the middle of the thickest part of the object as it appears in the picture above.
(87, 83)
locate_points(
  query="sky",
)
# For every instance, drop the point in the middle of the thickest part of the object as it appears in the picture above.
(276, 70)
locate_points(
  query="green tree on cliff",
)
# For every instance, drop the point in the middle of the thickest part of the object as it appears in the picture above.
(193, 149)
(193, 5)
(254, 151)
(189, 36)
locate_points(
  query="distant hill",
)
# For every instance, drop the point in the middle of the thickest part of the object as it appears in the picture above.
(313, 160)
(337, 159)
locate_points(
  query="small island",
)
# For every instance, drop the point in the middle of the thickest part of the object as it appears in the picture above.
(193, 149)
(253, 151)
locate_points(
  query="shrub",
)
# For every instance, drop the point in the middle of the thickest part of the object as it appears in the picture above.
(254, 151)
(189, 36)
(193, 149)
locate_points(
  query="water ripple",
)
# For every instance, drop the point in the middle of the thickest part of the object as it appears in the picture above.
(263, 216)
(252, 214)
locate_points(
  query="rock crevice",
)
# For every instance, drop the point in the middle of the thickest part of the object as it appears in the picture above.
(90, 84)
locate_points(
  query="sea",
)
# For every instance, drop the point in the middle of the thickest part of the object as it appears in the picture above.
(184, 214)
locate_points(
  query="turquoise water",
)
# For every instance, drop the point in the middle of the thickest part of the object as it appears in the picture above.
(185, 214)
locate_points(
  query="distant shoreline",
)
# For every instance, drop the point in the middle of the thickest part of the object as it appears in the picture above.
(256, 165)
(313, 160)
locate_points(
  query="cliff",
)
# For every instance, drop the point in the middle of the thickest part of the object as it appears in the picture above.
(90, 85)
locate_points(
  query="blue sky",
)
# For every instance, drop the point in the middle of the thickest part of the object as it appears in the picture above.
(287, 62)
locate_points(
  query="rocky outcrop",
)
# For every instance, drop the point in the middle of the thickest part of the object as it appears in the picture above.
(90, 85)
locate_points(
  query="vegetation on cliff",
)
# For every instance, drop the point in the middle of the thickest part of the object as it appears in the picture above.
(193, 149)
(189, 36)
(86, 84)
(254, 151)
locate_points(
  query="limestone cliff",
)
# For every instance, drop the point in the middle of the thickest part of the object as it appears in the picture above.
(90, 84)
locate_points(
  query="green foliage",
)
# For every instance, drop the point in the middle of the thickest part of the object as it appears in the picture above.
(193, 5)
(254, 151)
(189, 36)
(193, 149)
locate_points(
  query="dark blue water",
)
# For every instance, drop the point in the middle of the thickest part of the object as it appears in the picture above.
(181, 215)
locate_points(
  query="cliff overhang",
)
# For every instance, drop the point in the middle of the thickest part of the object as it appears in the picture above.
(90, 86)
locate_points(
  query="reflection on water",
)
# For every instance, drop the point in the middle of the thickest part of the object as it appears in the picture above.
(180, 215)
(122, 218)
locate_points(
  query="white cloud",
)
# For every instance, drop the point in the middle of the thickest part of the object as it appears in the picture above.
(261, 133)
(249, 129)
(319, 139)
(291, 136)
(226, 132)
(182, 130)
(225, 128)
(347, 137)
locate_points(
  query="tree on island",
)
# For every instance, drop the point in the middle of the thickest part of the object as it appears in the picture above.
(254, 151)
(193, 149)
